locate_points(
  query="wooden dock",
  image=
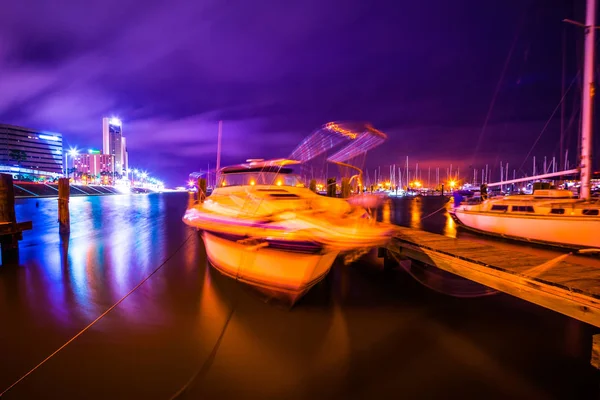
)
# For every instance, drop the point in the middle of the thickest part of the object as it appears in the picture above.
(558, 284)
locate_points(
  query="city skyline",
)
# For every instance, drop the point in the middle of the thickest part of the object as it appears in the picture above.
(288, 69)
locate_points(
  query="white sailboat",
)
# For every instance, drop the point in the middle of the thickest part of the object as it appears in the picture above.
(553, 217)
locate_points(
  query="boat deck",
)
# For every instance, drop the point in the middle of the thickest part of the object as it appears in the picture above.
(561, 284)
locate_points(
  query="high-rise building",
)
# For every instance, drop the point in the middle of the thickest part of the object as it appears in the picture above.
(113, 143)
(30, 151)
(125, 156)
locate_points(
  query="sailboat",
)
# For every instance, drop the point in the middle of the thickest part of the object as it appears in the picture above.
(263, 227)
(549, 216)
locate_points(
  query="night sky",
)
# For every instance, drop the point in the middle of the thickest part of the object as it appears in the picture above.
(423, 72)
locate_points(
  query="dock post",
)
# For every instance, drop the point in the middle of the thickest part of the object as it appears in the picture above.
(64, 219)
(331, 187)
(442, 190)
(346, 190)
(201, 189)
(10, 242)
(596, 351)
(313, 185)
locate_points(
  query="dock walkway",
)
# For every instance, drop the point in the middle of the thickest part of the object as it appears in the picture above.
(556, 283)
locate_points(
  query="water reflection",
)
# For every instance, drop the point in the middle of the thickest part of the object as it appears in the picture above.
(450, 226)
(415, 213)
(115, 241)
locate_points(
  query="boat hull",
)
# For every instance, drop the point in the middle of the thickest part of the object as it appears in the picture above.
(543, 229)
(287, 273)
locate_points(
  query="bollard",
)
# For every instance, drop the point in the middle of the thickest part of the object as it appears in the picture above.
(64, 219)
(331, 187)
(191, 200)
(313, 185)
(442, 190)
(346, 188)
(201, 189)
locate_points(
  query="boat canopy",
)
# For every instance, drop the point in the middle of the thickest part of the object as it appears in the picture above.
(362, 137)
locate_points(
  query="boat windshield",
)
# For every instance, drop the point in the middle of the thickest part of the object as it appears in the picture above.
(259, 178)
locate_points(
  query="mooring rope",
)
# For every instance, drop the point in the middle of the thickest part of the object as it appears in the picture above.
(97, 319)
(205, 367)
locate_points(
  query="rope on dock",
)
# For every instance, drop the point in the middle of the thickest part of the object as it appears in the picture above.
(99, 318)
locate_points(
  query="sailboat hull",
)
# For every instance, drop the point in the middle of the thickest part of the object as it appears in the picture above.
(563, 231)
(287, 273)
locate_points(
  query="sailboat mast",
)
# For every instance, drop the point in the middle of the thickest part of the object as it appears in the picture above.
(219, 145)
(588, 97)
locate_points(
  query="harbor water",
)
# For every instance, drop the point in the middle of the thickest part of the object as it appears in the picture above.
(134, 309)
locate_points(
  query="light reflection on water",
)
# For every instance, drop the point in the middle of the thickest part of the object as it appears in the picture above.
(114, 242)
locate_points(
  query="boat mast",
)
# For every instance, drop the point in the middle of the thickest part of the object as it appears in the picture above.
(219, 146)
(588, 97)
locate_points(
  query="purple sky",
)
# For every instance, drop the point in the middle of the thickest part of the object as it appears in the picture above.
(273, 71)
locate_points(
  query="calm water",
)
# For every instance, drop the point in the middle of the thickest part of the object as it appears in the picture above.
(362, 333)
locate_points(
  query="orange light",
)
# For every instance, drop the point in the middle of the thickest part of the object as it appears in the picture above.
(452, 183)
(252, 182)
(223, 183)
(278, 183)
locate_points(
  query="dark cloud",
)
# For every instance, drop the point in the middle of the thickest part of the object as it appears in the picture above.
(425, 72)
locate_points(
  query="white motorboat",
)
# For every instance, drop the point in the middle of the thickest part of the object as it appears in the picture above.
(553, 217)
(262, 226)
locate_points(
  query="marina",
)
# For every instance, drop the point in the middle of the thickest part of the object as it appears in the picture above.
(423, 223)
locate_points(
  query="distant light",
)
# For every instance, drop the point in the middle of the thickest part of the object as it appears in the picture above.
(47, 137)
(73, 152)
(115, 121)
(252, 182)
(92, 151)
(278, 183)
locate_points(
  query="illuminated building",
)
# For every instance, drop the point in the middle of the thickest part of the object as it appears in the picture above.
(94, 163)
(28, 151)
(113, 143)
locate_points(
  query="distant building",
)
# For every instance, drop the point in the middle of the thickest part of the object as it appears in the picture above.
(125, 156)
(113, 143)
(29, 151)
(94, 163)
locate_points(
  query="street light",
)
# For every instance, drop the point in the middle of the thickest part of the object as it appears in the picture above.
(73, 152)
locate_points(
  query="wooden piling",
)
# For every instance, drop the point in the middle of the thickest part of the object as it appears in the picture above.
(346, 190)
(64, 219)
(10, 231)
(9, 241)
(331, 187)
(201, 189)
(313, 185)
(7, 199)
